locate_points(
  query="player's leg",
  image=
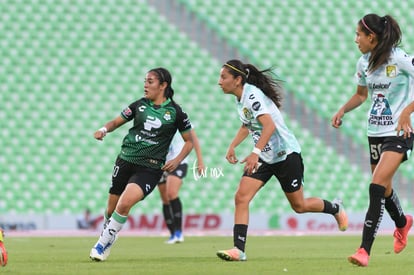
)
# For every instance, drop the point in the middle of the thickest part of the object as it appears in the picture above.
(110, 207)
(174, 183)
(131, 195)
(173, 186)
(381, 182)
(248, 187)
(142, 183)
(120, 175)
(166, 207)
(403, 223)
(290, 175)
(392, 202)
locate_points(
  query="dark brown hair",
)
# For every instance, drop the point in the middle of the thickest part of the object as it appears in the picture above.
(164, 75)
(388, 34)
(261, 79)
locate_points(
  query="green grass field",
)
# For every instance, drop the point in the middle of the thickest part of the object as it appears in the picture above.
(149, 255)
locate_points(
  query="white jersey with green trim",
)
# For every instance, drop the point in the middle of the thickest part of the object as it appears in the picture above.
(254, 103)
(390, 88)
(175, 148)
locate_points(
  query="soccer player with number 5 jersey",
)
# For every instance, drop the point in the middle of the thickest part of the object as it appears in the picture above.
(385, 75)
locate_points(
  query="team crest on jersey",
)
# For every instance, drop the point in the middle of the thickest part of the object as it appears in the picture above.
(247, 114)
(391, 71)
(167, 116)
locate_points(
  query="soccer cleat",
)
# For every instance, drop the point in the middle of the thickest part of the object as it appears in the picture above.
(97, 253)
(401, 235)
(171, 240)
(341, 217)
(360, 258)
(233, 254)
(3, 251)
(107, 248)
(177, 237)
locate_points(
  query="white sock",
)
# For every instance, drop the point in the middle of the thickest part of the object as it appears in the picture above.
(116, 222)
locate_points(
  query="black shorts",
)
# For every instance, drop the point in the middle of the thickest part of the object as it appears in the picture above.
(377, 145)
(126, 172)
(180, 172)
(288, 172)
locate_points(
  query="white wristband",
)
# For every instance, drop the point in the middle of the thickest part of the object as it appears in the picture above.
(103, 130)
(256, 151)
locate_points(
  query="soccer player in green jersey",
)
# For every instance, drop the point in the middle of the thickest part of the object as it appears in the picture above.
(142, 160)
(385, 74)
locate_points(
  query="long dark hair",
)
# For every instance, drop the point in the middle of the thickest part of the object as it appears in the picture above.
(164, 75)
(388, 34)
(264, 80)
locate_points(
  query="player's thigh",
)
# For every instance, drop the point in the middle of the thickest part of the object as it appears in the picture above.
(132, 194)
(173, 186)
(386, 167)
(247, 189)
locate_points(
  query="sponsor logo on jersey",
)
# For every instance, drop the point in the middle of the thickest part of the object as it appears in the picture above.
(127, 112)
(152, 123)
(379, 86)
(380, 113)
(256, 106)
(391, 71)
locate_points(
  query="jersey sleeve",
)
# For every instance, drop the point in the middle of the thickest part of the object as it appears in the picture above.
(129, 112)
(182, 120)
(257, 104)
(406, 64)
(360, 72)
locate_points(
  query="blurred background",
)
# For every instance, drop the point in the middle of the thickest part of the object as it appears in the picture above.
(67, 67)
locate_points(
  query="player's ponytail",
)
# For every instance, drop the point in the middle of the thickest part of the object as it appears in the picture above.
(388, 34)
(261, 79)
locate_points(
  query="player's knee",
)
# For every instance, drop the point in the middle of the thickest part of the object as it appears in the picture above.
(241, 199)
(298, 208)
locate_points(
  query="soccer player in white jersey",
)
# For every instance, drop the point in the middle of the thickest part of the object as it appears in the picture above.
(276, 152)
(385, 75)
(170, 184)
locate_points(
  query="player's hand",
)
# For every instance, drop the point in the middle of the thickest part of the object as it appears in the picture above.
(200, 168)
(171, 165)
(231, 156)
(99, 135)
(252, 163)
(404, 127)
(336, 120)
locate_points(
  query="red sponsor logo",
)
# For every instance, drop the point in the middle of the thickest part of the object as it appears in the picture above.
(292, 223)
(156, 222)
